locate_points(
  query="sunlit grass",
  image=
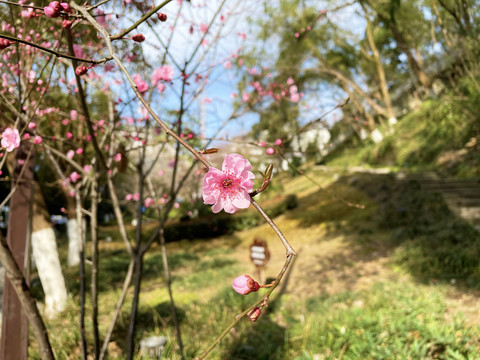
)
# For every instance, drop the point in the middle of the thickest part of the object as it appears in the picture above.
(349, 294)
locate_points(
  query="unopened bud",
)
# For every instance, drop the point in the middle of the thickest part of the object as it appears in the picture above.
(254, 314)
(138, 38)
(65, 7)
(4, 43)
(162, 17)
(245, 285)
(209, 151)
(81, 70)
(268, 172)
(51, 12)
(67, 24)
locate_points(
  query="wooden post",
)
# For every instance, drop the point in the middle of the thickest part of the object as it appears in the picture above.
(14, 336)
(259, 254)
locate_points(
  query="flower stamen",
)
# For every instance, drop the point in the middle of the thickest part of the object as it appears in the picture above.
(227, 182)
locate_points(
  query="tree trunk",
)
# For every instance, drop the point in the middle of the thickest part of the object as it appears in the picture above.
(74, 241)
(380, 71)
(14, 341)
(45, 254)
(19, 285)
(133, 314)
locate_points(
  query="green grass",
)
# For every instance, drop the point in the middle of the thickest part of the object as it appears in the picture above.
(340, 300)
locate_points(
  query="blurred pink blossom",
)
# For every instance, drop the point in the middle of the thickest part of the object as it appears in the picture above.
(149, 202)
(142, 86)
(74, 176)
(164, 73)
(10, 139)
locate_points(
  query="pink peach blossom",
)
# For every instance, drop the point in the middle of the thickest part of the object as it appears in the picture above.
(136, 196)
(142, 86)
(164, 73)
(203, 28)
(10, 139)
(37, 140)
(74, 176)
(229, 188)
(70, 154)
(149, 202)
(128, 197)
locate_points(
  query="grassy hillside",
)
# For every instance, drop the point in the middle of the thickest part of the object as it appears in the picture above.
(369, 283)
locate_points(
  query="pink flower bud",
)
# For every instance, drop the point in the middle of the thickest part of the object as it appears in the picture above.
(31, 125)
(138, 38)
(245, 285)
(270, 151)
(254, 314)
(67, 24)
(278, 142)
(128, 197)
(51, 12)
(81, 70)
(65, 7)
(162, 17)
(37, 140)
(4, 43)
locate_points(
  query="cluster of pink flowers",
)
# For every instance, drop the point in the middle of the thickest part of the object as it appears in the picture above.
(163, 73)
(271, 150)
(134, 197)
(229, 188)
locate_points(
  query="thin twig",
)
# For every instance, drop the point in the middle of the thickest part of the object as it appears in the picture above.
(53, 52)
(261, 300)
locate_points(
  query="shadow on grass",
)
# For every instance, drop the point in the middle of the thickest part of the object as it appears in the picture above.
(265, 340)
(424, 236)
